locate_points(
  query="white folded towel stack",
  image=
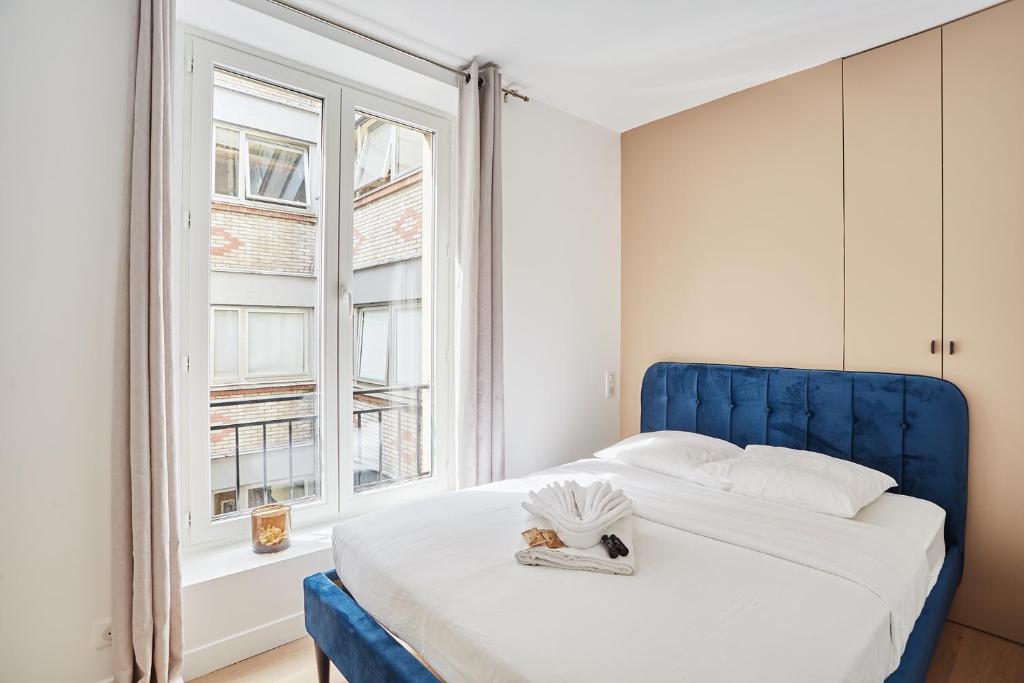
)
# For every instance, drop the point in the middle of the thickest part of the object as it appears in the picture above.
(593, 559)
(579, 514)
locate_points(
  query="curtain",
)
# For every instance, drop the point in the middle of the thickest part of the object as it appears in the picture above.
(480, 392)
(146, 576)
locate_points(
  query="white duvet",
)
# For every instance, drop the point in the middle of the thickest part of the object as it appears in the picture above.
(726, 588)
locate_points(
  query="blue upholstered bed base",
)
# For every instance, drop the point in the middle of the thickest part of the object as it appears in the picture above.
(362, 650)
(911, 427)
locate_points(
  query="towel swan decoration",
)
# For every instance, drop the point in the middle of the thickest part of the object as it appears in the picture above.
(579, 514)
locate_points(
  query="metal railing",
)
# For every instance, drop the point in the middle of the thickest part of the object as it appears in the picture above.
(398, 400)
(262, 425)
(402, 401)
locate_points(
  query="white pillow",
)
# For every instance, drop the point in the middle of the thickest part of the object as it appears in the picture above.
(670, 452)
(802, 479)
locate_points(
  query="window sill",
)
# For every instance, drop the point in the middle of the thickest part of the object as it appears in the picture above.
(200, 565)
(212, 561)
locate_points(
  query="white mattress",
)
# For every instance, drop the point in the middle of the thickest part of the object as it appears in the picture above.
(921, 522)
(727, 588)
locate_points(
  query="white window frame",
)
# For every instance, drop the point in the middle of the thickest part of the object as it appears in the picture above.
(245, 194)
(246, 378)
(335, 197)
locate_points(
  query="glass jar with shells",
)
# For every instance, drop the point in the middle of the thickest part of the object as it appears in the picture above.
(271, 528)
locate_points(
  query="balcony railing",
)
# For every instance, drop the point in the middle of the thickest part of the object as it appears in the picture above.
(380, 455)
(292, 423)
(397, 405)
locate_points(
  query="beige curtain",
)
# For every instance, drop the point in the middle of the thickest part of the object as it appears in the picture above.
(480, 395)
(146, 612)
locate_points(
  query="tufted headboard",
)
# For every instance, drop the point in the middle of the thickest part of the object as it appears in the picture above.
(911, 427)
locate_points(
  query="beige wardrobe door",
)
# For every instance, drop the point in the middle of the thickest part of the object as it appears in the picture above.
(983, 134)
(892, 128)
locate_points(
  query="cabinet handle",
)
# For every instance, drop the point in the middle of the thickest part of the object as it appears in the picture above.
(931, 346)
(952, 347)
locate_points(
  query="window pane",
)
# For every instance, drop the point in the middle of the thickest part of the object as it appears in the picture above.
(408, 349)
(410, 150)
(276, 172)
(224, 502)
(391, 288)
(225, 344)
(276, 343)
(373, 350)
(225, 162)
(372, 149)
(264, 270)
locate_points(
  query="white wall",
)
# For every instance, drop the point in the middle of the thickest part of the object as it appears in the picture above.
(561, 247)
(65, 68)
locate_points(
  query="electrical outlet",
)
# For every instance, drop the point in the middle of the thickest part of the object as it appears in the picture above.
(102, 636)
(609, 384)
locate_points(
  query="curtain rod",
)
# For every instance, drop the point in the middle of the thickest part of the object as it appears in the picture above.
(390, 46)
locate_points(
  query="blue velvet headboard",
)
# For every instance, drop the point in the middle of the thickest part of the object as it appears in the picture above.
(911, 427)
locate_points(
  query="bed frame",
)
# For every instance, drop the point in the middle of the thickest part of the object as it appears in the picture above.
(911, 427)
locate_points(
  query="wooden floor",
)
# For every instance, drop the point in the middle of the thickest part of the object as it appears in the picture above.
(964, 656)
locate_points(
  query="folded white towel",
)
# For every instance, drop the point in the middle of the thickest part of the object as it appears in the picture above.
(580, 514)
(593, 559)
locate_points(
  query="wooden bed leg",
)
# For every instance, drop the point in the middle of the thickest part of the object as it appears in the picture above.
(323, 665)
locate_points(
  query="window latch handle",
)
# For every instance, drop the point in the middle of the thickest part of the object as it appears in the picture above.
(346, 299)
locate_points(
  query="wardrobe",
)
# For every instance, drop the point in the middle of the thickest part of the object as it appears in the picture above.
(865, 214)
(933, 159)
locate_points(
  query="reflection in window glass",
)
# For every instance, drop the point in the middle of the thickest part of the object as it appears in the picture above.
(391, 267)
(408, 349)
(276, 172)
(373, 349)
(225, 344)
(225, 162)
(409, 155)
(372, 157)
(276, 343)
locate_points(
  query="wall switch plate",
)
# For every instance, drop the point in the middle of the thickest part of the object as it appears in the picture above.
(102, 636)
(609, 384)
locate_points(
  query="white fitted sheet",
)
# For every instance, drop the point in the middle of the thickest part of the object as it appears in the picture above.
(921, 522)
(727, 588)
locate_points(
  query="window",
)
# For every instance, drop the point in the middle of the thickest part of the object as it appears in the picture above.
(389, 344)
(226, 161)
(372, 361)
(276, 492)
(408, 354)
(276, 173)
(226, 365)
(275, 170)
(288, 396)
(385, 151)
(275, 344)
(409, 150)
(373, 155)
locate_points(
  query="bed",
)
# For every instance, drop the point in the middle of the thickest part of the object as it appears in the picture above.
(429, 590)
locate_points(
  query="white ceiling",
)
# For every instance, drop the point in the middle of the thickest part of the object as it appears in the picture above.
(622, 64)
